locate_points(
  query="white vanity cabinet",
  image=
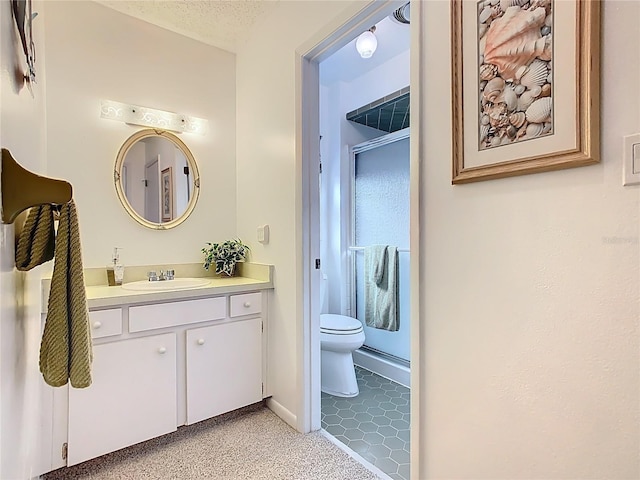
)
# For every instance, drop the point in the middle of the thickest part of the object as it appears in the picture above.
(224, 368)
(132, 397)
(159, 365)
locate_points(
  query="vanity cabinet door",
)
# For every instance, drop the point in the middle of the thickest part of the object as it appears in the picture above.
(132, 397)
(224, 368)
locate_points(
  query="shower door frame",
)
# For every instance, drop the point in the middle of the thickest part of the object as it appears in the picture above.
(380, 141)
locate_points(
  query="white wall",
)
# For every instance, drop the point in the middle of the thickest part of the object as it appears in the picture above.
(530, 329)
(22, 131)
(529, 285)
(268, 179)
(108, 55)
(338, 135)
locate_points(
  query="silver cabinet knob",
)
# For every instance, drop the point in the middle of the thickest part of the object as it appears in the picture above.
(162, 350)
(97, 324)
(201, 341)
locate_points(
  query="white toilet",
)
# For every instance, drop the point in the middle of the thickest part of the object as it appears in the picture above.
(339, 337)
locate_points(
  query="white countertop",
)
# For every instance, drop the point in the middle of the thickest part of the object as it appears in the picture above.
(103, 296)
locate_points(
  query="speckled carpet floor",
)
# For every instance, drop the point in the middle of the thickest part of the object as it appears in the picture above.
(251, 444)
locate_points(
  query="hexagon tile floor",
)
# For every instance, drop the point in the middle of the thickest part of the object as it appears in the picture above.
(375, 424)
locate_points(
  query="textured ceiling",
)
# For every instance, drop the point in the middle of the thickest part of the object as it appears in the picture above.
(221, 23)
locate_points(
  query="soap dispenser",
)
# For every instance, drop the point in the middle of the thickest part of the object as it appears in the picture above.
(115, 271)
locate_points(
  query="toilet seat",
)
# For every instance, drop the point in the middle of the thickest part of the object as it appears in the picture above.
(333, 324)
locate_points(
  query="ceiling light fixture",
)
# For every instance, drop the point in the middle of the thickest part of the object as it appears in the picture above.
(367, 43)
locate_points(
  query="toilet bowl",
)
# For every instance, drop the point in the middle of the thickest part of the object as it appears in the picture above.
(339, 337)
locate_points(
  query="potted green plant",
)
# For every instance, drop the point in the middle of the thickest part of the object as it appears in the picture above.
(225, 255)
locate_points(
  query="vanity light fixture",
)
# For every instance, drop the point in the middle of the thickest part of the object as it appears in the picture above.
(149, 117)
(367, 43)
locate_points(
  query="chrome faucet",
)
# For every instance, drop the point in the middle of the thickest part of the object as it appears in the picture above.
(164, 275)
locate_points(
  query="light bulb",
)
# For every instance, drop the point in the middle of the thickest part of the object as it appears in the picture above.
(367, 43)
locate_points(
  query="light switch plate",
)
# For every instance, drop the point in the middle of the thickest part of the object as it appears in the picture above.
(631, 160)
(263, 234)
(636, 158)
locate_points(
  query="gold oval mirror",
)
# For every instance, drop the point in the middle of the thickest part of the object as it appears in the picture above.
(157, 179)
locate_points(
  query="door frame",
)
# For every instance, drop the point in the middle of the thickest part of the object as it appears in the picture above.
(156, 174)
(308, 58)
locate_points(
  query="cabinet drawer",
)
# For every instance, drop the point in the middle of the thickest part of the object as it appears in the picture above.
(105, 323)
(151, 317)
(246, 304)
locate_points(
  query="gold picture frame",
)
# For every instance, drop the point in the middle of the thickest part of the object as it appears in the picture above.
(166, 184)
(513, 113)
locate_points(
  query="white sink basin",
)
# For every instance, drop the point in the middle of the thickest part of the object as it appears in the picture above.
(166, 285)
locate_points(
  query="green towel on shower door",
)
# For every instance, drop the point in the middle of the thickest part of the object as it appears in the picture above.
(381, 287)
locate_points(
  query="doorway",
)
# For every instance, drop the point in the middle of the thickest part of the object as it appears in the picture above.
(317, 234)
(375, 423)
(152, 198)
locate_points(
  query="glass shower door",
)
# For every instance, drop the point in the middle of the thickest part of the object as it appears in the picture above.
(381, 216)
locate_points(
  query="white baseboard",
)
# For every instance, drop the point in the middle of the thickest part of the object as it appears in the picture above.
(283, 413)
(383, 367)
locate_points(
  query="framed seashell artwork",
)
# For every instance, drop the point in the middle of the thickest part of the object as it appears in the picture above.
(525, 86)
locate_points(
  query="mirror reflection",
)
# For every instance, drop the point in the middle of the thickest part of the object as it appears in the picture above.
(156, 178)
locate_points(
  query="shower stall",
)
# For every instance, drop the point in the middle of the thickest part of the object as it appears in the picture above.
(380, 216)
